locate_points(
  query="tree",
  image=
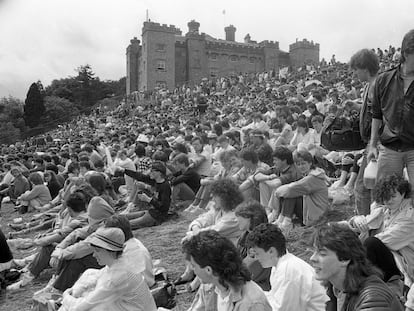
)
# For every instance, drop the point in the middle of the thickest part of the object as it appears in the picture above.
(59, 110)
(11, 120)
(34, 106)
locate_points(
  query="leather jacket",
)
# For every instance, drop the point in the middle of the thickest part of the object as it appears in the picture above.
(395, 109)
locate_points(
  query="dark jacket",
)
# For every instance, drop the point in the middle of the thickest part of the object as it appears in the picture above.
(395, 109)
(190, 177)
(374, 295)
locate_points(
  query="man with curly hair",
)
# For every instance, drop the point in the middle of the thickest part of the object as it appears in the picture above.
(227, 284)
(292, 280)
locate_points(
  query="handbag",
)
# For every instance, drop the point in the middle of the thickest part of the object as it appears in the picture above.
(342, 134)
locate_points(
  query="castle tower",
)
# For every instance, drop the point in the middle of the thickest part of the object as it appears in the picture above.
(230, 33)
(304, 53)
(196, 53)
(133, 53)
(158, 56)
(271, 54)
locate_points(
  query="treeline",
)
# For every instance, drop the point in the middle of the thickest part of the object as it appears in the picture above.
(46, 107)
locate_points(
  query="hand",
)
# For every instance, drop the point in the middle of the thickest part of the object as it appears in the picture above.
(260, 177)
(281, 191)
(360, 223)
(372, 153)
(141, 184)
(143, 197)
(54, 262)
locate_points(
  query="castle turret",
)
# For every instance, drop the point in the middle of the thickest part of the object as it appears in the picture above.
(193, 26)
(133, 53)
(247, 38)
(230, 33)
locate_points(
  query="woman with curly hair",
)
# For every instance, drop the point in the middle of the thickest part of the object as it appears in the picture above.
(226, 280)
(249, 215)
(221, 218)
(387, 231)
(353, 282)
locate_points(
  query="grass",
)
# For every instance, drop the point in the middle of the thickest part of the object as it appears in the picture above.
(163, 242)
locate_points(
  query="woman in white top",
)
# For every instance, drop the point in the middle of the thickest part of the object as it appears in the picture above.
(117, 287)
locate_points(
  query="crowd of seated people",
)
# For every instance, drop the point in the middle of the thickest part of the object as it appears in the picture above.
(249, 169)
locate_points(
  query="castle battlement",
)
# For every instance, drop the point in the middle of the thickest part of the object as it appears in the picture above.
(269, 43)
(152, 26)
(304, 44)
(229, 45)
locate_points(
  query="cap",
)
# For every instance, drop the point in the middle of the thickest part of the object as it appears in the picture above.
(112, 239)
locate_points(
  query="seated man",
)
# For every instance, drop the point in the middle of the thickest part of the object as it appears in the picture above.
(185, 182)
(292, 280)
(353, 282)
(226, 281)
(283, 172)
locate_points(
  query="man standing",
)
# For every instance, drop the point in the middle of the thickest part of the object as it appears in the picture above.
(393, 115)
(365, 65)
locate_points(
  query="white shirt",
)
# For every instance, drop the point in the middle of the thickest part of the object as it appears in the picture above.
(294, 287)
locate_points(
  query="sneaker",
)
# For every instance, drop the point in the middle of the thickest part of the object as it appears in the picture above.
(26, 278)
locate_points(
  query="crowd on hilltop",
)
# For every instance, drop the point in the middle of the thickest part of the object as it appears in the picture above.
(248, 156)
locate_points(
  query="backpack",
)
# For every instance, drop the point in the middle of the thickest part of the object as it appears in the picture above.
(342, 134)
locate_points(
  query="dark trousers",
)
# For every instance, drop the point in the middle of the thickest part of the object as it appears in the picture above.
(69, 271)
(41, 261)
(381, 257)
(292, 206)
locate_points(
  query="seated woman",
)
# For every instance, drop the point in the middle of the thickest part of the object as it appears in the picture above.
(118, 287)
(227, 284)
(35, 198)
(18, 186)
(387, 231)
(52, 183)
(230, 165)
(221, 218)
(250, 214)
(307, 197)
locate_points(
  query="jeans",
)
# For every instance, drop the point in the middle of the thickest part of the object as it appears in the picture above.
(69, 271)
(141, 219)
(363, 196)
(393, 162)
(41, 261)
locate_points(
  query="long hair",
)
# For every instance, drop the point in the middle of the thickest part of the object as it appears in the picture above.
(252, 210)
(347, 246)
(209, 248)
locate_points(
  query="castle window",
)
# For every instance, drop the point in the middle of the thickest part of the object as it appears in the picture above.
(213, 73)
(161, 84)
(251, 60)
(160, 65)
(213, 56)
(234, 58)
(160, 47)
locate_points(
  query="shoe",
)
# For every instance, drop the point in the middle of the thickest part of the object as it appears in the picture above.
(17, 227)
(185, 278)
(26, 278)
(286, 225)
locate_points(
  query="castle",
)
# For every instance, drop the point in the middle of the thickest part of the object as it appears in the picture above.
(167, 59)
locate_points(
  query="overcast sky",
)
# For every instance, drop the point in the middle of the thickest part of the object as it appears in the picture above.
(48, 39)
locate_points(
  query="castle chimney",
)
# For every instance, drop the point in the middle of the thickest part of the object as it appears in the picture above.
(193, 26)
(230, 33)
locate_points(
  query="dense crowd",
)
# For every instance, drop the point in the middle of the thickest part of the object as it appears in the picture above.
(249, 156)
